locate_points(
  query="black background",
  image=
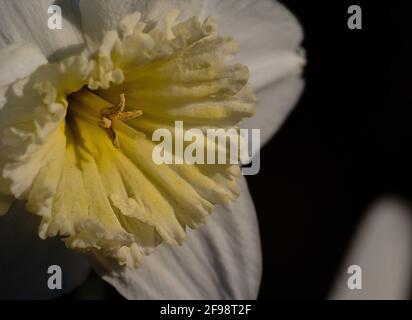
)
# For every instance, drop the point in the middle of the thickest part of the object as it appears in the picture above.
(346, 143)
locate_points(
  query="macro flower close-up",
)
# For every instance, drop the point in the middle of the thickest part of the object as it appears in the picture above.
(79, 106)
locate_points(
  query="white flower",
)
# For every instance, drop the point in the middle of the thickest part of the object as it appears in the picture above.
(81, 179)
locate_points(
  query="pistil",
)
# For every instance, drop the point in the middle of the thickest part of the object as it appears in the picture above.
(116, 112)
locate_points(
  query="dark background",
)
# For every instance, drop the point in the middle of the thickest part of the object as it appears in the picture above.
(346, 143)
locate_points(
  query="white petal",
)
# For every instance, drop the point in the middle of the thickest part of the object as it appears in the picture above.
(100, 16)
(26, 21)
(221, 260)
(269, 37)
(16, 62)
(275, 102)
(383, 249)
(25, 259)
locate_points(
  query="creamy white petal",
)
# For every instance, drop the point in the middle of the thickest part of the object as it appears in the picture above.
(26, 21)
(100, 16)
(268, 34)
(269, 37)
(24, 264)
(16, 62)
(275, 102)
(383, 249)
(221, 260)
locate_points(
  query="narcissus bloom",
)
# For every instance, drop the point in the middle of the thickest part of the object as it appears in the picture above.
(79, 105)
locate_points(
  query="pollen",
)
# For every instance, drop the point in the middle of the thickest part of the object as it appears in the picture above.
(116, 112)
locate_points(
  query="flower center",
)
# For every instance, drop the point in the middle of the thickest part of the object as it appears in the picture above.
(85, 103)
(117, 112)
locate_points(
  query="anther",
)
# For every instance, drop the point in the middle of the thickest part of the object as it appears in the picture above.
(116, 112)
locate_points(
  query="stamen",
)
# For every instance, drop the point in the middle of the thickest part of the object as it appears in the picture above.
(116, 112)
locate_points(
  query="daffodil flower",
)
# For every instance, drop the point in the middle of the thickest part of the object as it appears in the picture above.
(77, 110)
